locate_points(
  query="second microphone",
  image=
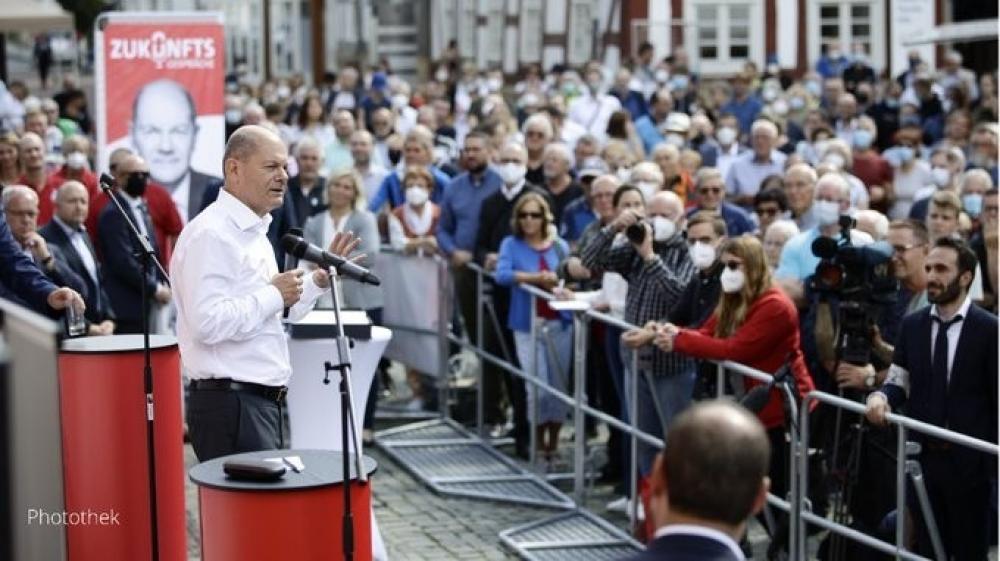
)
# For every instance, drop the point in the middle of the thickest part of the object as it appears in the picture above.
(302, 249)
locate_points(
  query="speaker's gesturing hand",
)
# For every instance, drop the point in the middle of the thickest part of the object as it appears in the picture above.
(289, 284)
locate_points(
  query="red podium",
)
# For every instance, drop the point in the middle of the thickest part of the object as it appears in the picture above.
(298, 517)
(103, 407)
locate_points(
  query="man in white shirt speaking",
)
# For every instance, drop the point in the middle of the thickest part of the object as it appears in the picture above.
(230, 299)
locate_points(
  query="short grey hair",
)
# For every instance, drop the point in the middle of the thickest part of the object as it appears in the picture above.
(306, 143)
(976, 173)
(706, 174)
(560, 148)
(764, 124)
(782, 226)
(878, 220)
(540, 120)
(646, 168)
(11, 192)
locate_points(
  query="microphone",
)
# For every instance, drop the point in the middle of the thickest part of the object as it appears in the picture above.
(107, 182)
(290, 260)
(757, 398)
(304, 250)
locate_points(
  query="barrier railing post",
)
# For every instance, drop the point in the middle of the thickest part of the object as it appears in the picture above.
(900, 487)
(480, 377)
(720, 381)
(443, 343)
(795, 499)
(580, 332)
(803, 472)
(533, 372)
(633, 414)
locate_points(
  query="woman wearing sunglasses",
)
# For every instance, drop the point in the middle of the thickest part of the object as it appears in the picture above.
(754, 324)
(530, 256)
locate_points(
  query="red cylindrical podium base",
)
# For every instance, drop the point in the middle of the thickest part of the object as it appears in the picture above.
(105, 457)
(299, 517)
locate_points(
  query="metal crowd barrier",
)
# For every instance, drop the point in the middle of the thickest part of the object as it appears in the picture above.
(796, 505)
(903, 424)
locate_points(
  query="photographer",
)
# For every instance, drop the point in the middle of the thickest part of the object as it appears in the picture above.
(653, 258)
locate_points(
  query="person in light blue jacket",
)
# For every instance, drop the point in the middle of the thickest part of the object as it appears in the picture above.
(531, 255)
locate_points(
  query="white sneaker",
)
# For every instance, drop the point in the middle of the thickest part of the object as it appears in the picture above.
(623, 505)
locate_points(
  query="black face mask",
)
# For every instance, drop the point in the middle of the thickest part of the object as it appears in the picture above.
(478, 169)
(135, 186)
(395, 156)
(861, 98)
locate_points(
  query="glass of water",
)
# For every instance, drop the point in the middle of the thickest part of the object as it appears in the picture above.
(76, 324)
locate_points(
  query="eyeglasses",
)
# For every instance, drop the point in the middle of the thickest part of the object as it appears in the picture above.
(732, 265)
(766, 211)
(713, 190)
(535, 134)
(508, 161)
(532, 215)
(140, 174)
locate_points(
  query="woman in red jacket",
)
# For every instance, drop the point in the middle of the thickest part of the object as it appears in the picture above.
(754, 324)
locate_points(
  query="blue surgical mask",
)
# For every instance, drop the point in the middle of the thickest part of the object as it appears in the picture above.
(679, 82)
(906, 154)
(814, 88)
(862, 139)
(973, 204)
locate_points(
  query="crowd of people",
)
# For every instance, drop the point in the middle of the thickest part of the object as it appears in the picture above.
(688, 206)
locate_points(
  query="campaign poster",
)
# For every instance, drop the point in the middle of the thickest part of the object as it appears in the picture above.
(159, 89)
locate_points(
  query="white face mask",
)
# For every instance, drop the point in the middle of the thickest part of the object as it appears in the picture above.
(827, 212)
(675, 139)
(511, 173)
(702, 255)
(400, 101)
(661, 76)
(726, 136)
(941, 176)
(76, 160)
(416, 196)
(663, 229)
(623, 174)
(835, 160)
(648, 189)
(732, 280)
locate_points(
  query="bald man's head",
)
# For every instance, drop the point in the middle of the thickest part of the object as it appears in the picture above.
(72, 203)
(715, 463)
(164, 130)
(255, 165)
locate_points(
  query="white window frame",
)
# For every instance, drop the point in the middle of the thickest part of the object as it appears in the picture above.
(876, 23)
(724, 64)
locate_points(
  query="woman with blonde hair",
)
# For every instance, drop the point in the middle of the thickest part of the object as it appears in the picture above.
(531, 255)
(754, 324)
(347, 213)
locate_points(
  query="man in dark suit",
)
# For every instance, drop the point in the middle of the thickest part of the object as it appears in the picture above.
(944, 370)
(164, 131)
(124, 280)
(67, 232)
(20, 278)
(20, 206)
(709, 479)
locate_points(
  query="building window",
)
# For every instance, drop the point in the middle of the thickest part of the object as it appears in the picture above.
(848, 25)
(723, 35)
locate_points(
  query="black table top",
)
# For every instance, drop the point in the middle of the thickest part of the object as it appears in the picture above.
(116, 343)
(322, 469)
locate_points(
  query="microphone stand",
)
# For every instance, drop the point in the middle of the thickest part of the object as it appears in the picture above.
(146, 255)
(351, 440)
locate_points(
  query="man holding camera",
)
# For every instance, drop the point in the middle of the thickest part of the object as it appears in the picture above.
(654, 259)
(944, 369)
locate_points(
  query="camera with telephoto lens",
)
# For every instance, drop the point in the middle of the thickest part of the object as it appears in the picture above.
(636, 233)
(862, 282)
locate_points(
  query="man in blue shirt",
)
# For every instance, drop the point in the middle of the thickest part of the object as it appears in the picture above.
(418, 150)
(711, 191)
(459, 223)
(833, 199)
(748, 171)
(631, 100)
(578, 214)
(649, 127)
(744, 105)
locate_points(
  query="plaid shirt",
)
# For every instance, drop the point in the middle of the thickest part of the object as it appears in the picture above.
(654, 287)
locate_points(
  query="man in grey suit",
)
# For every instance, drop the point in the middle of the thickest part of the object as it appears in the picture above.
(164, 131)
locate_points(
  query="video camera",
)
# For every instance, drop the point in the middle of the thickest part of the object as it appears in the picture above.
(862, 282)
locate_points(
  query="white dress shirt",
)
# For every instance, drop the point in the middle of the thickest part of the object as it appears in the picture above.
(899, 376)
(75, 236)
(228, 312)
(701, 531)
(136, 204)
